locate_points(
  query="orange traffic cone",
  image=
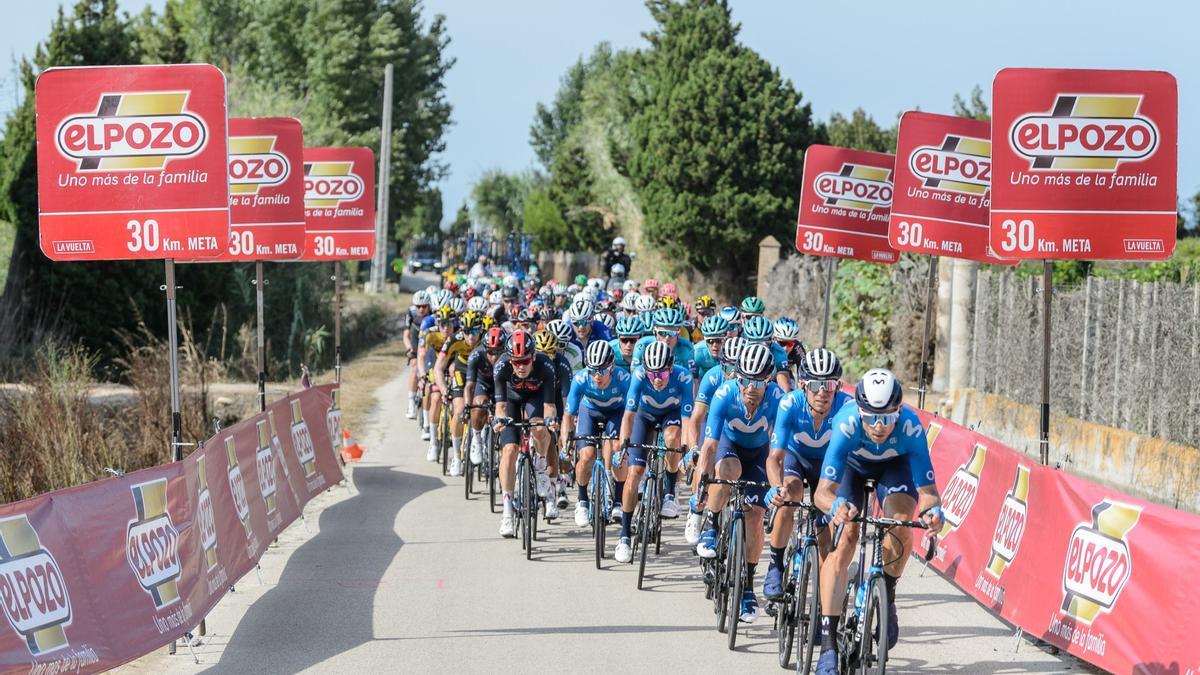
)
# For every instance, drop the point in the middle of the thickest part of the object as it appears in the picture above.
(351, 450)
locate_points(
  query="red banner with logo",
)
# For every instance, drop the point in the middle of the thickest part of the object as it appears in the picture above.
(1085, 164)
(131, 162)
(1095, 572)
(339, 193)
(844, 204)
(266, 189)
(100, 574)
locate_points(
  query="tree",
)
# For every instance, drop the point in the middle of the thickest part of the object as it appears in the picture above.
(424, 220)
(500, 200)
(716, 140)
(461, 226)
(544, 221)
(976, 108)
(860, 132)
(552, 124)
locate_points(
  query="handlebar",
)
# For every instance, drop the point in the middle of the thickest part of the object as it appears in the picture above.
(743, 484)
(886, 523)
(595, 438)
(770, 517)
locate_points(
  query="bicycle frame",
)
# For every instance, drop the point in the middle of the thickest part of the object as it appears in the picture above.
(730, 583)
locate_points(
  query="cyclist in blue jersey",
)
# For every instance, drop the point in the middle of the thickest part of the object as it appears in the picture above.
(666, 325)
(875, 437)
(707, 354)
(739, 429)
(595, 406)
(787, 335)
(582, 317)
(660, 396)
(629, 330)
(803, 427)
(704, 458)
(758, 329)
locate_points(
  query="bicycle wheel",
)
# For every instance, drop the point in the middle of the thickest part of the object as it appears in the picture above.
(785, 611)
(530, 507)
(646, 531)
(492, 462)
(596, 499)
(518, 504)
(872, 659)
(848, 646)
(662, 486)
(737, 577)
(444, 440)
(467, 469)
(808, 608)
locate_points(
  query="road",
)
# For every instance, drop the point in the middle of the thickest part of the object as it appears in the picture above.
(401, 574)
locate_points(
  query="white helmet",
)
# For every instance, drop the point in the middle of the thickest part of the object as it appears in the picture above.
(420, 298)
(561, 329)
(609, 321)
(879, 392)
(644, 303)
(510, 280)
(599, 355)
(477, 303)
(629, 301)
(441, 298)
(618, 270)
(658, 356)
(573, 289)
(629, 286)
(755, 361)
(619, 241)
(820, 364)
(590, 293)
(595, 283)
(560, 290)
(431, 290)
(496, 298)
(457, 305)
(581, 309)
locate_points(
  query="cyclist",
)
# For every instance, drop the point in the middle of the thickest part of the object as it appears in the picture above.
(738, 429)
(707, 352)
(412, 333)
(547, 344)
(629, 304)
(787, 335)
(660, 396)
(595, 405)
(666, 323)
(480, 384)
(451, 369)
(566, 344)
(875, 437)
(581, 316)
(799, 439)
(630, 329)
(759, 329)
(433, 365)
(650, 288)
(704, 458)
(525, 389)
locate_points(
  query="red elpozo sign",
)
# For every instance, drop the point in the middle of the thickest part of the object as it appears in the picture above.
(266, 189)
(844, 204)
(131, 162)
(339, 206)
(1084, 164)
(943, 187)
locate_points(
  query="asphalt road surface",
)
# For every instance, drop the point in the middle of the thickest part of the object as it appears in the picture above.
(400, 574)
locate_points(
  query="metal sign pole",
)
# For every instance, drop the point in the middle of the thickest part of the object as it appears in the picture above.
(337, 322)
(831, 265)
(1047, 291)
(259, 282)
(173, 346)
(930, 286)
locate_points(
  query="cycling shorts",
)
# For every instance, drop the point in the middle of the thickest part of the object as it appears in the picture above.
(807, 469)
(522, 410)
(456, 378)
(645, 426)
(754, 466)
(596, 423)
(485, 388)
(891, 476)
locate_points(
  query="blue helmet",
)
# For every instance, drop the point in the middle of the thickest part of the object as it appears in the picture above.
(647, 323)
(714, 326)
(730, 314)
(757, 328)
(668, 317)
(630, 326)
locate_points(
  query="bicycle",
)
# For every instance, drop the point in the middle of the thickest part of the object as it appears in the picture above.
(647, 516)
(468, 476)
(801, 605)
(600, 495)
(525, 498)
(730, 577)
(862, 635)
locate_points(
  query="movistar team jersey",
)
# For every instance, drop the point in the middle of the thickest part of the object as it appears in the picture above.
(780, 356)
(608, 400)
(713, 379)
(676, 396)
(684, 354)
(620, 359)
(793, 430)
(727, 415)
(704, 357)
(599, 332)
(850, 443)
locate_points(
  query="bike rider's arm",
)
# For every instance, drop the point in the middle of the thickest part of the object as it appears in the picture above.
(686, 409)
(919, 463)
(780, 432)
(439, 370)
(547, 375)
(631, 404)
(846, 437)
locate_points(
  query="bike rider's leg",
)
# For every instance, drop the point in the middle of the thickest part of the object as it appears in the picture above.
(896, 550)
(753, 468)
(435, 410)
(478, 419)
(545, 463)
(509, 439)
(781, 532)
(672, 461)
(456, 433)
(583, 477)
(636, 469)
(413, 397)
(728, 467)
(835, 571)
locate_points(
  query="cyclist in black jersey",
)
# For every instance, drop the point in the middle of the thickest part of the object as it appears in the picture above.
(412, 333)
(480, 386)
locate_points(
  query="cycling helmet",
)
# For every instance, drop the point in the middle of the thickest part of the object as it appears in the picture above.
(477, 304)
(618, 241)
(510, 292)
(753, 305)
(581, 309)
(879, 392)
(630, 285)
(589, 293)
(545, 342)
(431, 290)
(629, 302)
(573, 290)
(581, 280)
(666, 302)
(494, 340)
(520, 345)
(442, 297)
(599, 354)
(420, 299)
(669, 289)
(651, 284)
(495, 298)
(561, 330)
(668, 317)
(608, 320)
(714, 326)
(487, 322)
(786, 330)
(820, 364)
(451, 286)
(705, 302)
(444, 313)
(458, 305)
(757, 328)
(730, 314)
(618, 270)
(658, 356)
(755, 361)
(644, 303)
(546, 293)
(595, 283)
(732, 349)
(629, 326)
(559, 290)
(548, 314)
(470, 320)
(511, 281)
(526, 315)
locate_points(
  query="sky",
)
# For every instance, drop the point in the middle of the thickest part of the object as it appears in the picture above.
(884, 57)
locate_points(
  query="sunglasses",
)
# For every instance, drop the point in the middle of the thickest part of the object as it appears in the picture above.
(666, 334)
(715, 342)
(749, 383)
(628, 340)
(818, 386)
(580, 323)
(880, 420)
(788, 345)
(658, 375)
(706, 312)
(522, 363)
(599, 372)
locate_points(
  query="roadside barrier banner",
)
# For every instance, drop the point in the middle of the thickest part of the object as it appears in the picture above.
(844, 204)
(99, 574)
(943, 187)
(131, 162)
(339, 203)
(1085, 164)
(1100, 574)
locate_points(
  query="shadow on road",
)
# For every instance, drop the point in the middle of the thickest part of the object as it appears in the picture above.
(334, 576)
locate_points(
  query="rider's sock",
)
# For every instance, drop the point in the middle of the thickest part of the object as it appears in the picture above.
(508, 509)
(889, 582)
(710, 521)
(582, 492)
(777, 556)
(751, 568)
(626, 522)
(456, 441)
(669, 483)
(618, 490)
(829, 626)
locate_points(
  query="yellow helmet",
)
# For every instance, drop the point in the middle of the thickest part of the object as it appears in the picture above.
(545, 342)
(667, 302)
(444, 313)
(706, 302)
(487, 322)
(470, 320)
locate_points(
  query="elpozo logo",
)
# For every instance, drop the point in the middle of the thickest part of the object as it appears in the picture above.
(265, 460)
(1010, 525)
(856, 187)
(329, 184)
(302, 441)
(32, 588)
(960, 164)
(136, 131)
(253, 164)
(1098, 563)
(1086, 132)
(204, 516)
(962, 489)
(152, 543)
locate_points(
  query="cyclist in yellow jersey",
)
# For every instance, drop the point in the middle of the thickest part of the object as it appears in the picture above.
(450, 372)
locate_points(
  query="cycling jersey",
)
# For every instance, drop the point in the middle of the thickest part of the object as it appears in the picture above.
(599, 332)
(683, 354)
(480, 371)
(574, 356)
(727, 415)
(676, 397)
(703, 356)
(455, 347)
(584, 393)
(780, 356)
(619, 359)
(850, 450)
(794, 430)
(713, 379)
(562, 380)
(537, 386)
(428, 323)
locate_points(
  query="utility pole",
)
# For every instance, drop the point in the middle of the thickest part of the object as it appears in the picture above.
(378, 271)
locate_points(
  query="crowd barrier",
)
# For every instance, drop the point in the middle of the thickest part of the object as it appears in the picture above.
(1097, 573)
(100, 574)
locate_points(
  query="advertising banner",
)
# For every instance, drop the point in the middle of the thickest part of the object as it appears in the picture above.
(1085, 164)
(943, 187)
(844, 204)
(1079, 566)
(339, 203)
(132, 162)
(266, 189)
(100, 574)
